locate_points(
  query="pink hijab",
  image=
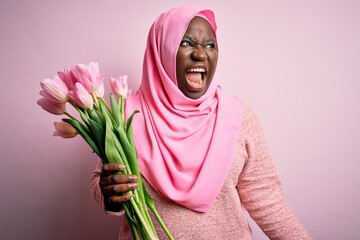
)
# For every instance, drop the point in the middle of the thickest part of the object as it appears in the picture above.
(185, 146)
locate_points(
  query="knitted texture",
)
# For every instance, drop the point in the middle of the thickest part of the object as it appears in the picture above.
(252, 184)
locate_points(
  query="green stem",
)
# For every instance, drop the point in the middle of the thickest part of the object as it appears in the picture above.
(70, 116)
(163, 226)
(143, 221)
(131, 222)
(76, 107)
(95, 99)
(74, 118)
(141, 192)
(122, 107)
(134, 231)
(108, 108)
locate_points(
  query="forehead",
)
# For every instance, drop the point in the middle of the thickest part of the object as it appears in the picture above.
(199, 26)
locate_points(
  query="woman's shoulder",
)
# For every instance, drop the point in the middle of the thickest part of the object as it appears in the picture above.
(249, 114)
(250, 125)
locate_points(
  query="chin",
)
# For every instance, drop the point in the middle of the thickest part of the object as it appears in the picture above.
(194, 95)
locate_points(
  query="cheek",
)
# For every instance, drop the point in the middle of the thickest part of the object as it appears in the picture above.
(178, 67)
(179, 61)
(213, 63)
(214, 57)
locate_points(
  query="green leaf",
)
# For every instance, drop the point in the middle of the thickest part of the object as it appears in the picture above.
(99, 134)
(149, 200)
(151, 204)
(130, 213)
(111, 152)
(84, 118)
(84, 132)
(130, 156)
(130, 136)
(130, 119)
(142, 197)
(106, 112)
(120, 149)
(146, 227)
(115, 110)
(97, 116)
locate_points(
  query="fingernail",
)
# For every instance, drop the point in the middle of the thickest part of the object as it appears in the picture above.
(133, 185)
(113, 178)
(121, 167)
(133, 177)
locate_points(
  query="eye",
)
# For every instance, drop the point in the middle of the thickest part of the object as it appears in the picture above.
(186, 43)
(210, 45)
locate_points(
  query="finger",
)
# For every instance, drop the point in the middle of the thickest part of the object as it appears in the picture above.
(119, 199)
(117, 189)
(117, 179)
(110, 168)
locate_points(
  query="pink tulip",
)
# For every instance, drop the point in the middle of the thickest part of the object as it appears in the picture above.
(51, 106)
(54, 89)
(68, 77)
(90, 78)
(80, 97)
(120, 87)
(64, 130)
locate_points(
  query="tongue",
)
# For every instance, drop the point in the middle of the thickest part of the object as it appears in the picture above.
(194, 77)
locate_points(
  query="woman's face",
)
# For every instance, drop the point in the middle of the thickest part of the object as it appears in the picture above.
(196, 59)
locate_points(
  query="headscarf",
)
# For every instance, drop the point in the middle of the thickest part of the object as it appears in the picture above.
(185, 146)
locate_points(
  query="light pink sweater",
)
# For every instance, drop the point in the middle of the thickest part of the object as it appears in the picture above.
(252, 184)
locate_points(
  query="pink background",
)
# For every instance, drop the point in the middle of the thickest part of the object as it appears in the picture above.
(296, 62)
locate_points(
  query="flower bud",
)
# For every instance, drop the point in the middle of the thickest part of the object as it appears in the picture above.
(80, 97)
(90, 78)
(119, 86)
(51, 106)
(64, 130)
(54, 89)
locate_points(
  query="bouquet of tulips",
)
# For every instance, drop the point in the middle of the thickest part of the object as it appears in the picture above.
(104, 128)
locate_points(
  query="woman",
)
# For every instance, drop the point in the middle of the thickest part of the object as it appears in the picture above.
(202, 153)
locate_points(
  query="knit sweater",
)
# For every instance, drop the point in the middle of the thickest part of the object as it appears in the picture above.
(252, 184)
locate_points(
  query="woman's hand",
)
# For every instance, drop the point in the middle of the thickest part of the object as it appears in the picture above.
(113, 186)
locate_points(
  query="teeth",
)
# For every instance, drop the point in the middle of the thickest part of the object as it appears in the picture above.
(201, 70)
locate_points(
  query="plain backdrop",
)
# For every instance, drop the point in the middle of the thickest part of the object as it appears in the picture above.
(296, 62)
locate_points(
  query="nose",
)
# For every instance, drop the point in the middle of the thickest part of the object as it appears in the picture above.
(199, 53)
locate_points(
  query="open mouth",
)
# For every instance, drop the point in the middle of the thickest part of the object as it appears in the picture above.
(195, 78)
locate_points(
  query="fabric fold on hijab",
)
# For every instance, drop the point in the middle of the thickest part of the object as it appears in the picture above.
(185, 146)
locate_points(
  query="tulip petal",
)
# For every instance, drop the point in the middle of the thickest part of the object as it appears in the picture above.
(90, 78)
(68, 77)
(64, 130)
(80, 97)
(51, 106)
(55, 89)
(84, 132)
(100, 90)
(82, 74)
(119, 86)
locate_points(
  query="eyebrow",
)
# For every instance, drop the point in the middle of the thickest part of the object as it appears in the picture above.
(193, 39)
